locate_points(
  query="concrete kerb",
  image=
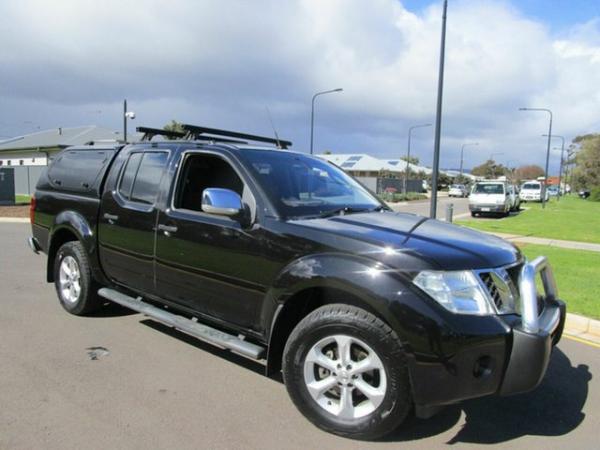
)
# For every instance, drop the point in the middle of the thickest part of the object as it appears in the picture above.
(14, 220)
(583, 328)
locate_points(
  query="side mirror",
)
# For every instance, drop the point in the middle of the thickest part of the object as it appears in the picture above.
(223, 202)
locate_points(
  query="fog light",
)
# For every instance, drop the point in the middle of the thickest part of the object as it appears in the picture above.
(483, 367)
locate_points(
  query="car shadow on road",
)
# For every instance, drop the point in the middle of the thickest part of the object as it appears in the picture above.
(553, 409)
(111, 309)
(249, 364)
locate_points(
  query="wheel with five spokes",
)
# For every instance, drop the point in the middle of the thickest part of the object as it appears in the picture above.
(73, 280)
(345, 370)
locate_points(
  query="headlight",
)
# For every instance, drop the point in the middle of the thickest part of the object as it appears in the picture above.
(459, 291)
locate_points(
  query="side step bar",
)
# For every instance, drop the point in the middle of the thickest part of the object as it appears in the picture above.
(188, 326)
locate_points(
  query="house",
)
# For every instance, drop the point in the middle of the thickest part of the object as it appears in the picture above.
(29, 154)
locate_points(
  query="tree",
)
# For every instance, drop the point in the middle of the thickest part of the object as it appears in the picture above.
(489, 169)
(174, 126)
(587, 170)
(528, 172)
(414, 160)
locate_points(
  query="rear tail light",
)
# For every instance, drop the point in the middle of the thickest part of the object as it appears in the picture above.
(32, 209)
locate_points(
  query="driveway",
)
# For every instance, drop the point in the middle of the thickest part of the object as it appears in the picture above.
(151, 387)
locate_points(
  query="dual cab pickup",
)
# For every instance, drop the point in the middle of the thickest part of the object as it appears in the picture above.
(284, 258)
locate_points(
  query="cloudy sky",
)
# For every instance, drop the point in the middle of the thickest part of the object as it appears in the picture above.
(222, 63)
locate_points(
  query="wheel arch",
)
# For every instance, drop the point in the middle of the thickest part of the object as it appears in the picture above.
(70, 226)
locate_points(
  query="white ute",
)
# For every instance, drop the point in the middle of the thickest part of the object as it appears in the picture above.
(490, 197)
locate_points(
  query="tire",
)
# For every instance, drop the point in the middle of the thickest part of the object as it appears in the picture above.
(335, 327)
(473, 214)
(75, 287)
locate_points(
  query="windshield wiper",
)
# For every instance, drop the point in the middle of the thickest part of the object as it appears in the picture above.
(343, 211)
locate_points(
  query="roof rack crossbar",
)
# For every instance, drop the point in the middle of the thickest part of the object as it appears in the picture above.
(149, 133)
(201, 133)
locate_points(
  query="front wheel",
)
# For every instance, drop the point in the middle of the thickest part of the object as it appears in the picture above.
(345, 370)
(73, 280)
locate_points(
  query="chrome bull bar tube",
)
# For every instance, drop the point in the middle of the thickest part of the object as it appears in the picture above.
(529, 294)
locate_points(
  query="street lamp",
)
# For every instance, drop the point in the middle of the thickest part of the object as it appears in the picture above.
(547, 151)
(408, 152)
(462, 150)
(562, 153)
(312, 114)
(126, 115)
(438, 118)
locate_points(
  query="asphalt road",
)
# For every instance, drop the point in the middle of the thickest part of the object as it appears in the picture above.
(159, 389)
(421, 207)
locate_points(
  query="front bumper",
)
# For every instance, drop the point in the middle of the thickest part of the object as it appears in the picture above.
(504, 354)
(488, 208)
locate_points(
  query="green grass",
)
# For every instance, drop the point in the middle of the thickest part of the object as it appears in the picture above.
(571, 219)
(577, 274)
(20, 198)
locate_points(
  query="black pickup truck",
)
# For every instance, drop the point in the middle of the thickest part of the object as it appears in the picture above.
(284, 258)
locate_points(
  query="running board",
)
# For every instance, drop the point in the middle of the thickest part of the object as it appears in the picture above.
(188, 326)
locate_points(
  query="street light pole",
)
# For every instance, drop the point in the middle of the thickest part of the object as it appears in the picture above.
(408, 153)
(562, 154)
(312, 114)
(438, 119)
(547, 151)
(462, 150)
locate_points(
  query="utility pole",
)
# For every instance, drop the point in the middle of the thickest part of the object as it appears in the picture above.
(408, 153)
(312, 113)
(438, 119)
(125, 121)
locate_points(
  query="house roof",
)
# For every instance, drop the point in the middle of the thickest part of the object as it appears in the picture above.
(366, 163)
(59, 137)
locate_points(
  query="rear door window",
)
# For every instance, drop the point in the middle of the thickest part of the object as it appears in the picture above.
(147, 180)
(142, 175)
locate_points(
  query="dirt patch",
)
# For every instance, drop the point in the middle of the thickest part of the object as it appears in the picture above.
(14, 211)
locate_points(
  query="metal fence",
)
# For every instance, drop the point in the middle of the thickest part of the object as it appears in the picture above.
(26, 177)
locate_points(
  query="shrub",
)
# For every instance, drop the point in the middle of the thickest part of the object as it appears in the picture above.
(595, 194)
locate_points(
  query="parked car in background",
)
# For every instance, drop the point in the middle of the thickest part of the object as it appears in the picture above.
(583, 193)
(490, 197)
(458, 190)
(515, 201)
(531, 191)
(553, 191)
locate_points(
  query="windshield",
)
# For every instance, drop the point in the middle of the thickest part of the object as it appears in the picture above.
(457, 186)
(489, 188)
(532, 186)
(301, 186)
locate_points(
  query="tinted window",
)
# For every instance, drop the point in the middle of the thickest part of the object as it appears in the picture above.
(129, 174)
(534, 186)
(79, 170)
(147, 180)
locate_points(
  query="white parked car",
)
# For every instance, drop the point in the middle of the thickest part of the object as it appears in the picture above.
(531, 191)
(490, 197)
(515, 200)
(458, 190)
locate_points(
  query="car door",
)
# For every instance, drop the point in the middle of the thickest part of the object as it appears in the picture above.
(127, 221)
(210, 264)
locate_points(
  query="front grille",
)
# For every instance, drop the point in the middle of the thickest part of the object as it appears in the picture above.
(488, 281)
(501, 285)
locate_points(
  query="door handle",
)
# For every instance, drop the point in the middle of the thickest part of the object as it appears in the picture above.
(111, 218)
(167, 229)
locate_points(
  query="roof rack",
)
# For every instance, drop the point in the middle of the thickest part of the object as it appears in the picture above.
(213, 134)
(149, 133)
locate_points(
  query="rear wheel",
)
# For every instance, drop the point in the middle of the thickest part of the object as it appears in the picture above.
(345, 370)
(73, 280)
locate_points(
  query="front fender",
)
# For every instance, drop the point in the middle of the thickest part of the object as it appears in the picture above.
(387, 292)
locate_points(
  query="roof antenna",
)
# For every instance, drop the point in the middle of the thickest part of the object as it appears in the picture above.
(273, 126)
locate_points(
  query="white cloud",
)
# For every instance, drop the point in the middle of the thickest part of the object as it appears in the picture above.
(221, 63)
